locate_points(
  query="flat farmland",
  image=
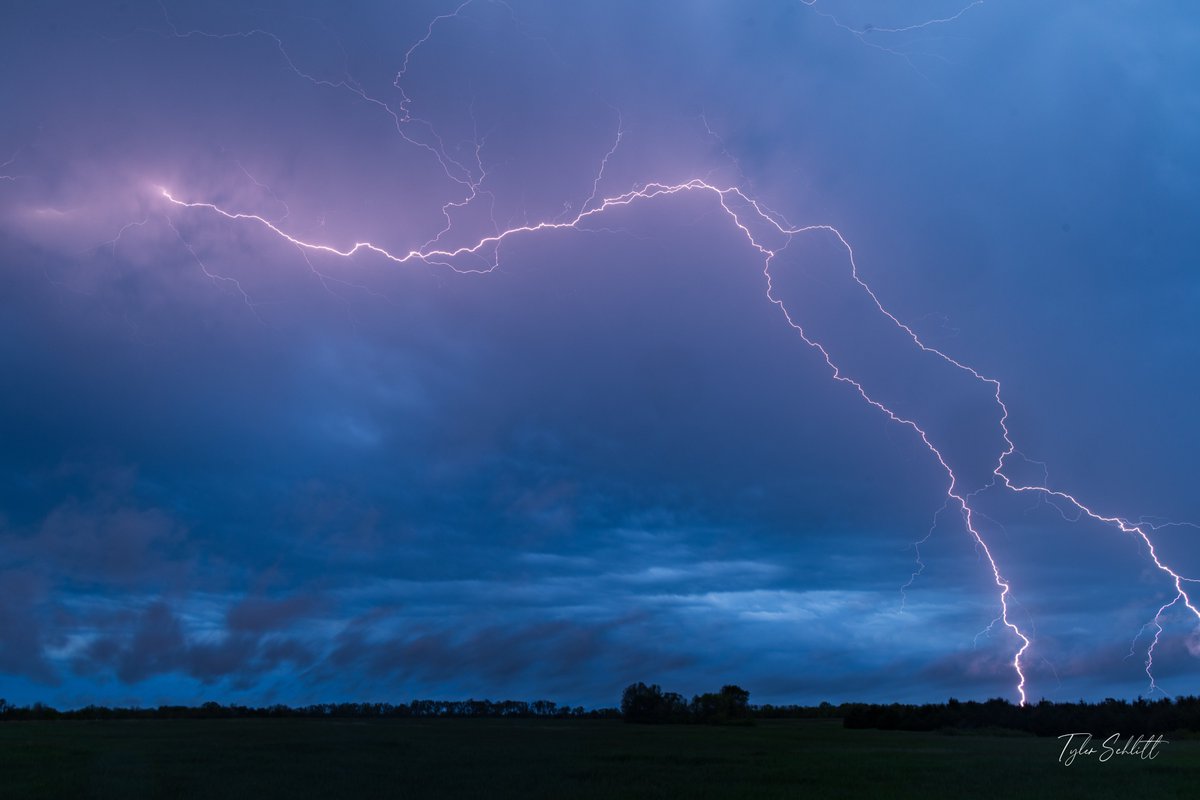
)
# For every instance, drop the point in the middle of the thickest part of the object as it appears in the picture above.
(485, 758)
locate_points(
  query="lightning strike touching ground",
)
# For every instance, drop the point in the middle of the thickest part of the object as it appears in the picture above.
(725, 196)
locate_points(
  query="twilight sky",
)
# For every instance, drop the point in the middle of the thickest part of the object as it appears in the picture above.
(238, 468)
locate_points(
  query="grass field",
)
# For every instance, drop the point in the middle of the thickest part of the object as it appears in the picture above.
(557, 759)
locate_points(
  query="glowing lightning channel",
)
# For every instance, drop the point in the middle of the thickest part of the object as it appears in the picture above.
(487, 249)
(725, 196)
(470, 180)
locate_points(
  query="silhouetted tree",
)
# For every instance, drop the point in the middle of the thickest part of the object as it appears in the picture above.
(731, 704)
(642, 703)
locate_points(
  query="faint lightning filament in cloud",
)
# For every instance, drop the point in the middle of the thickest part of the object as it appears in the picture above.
(915, 26)
(864, 32)
(212, 276)
(5, 176)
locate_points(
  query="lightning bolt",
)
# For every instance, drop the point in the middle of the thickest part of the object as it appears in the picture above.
(863, 33)
(213, 276)
(1158, 630)
(604, 162)
(8, 164)
(917, 555)
(915, 26)
(730, 200)
(746, 215)
(287, 212)
(402, 120)
(727, 198)
(113, 242)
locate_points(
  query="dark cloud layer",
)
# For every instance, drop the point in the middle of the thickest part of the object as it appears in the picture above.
(235, 470)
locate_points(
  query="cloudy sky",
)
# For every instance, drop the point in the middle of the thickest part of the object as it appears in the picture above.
(240, 468)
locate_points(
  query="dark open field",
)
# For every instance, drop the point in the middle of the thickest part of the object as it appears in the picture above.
(557, 758)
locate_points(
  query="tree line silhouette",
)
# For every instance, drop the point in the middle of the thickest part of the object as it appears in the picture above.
(642, 703)
(1045, 718)
(514, 709)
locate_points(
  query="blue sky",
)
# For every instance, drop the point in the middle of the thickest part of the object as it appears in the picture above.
(244, 470)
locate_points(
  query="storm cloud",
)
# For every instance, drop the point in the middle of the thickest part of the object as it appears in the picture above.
(235, 469)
